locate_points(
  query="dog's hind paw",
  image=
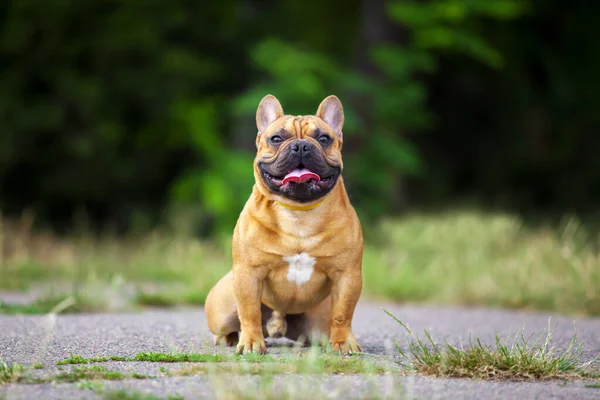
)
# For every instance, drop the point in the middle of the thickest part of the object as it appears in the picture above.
(277, 325)
(229, 340)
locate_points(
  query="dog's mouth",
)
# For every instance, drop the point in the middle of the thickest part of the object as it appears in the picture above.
(300, 184)
(299, 176)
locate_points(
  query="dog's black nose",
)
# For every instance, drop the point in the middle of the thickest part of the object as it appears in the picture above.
(300, 146)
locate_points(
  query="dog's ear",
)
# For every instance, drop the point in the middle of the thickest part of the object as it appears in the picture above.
(331, 111)
(268, 111)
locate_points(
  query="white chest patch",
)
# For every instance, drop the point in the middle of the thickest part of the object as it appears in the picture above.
(300, 267)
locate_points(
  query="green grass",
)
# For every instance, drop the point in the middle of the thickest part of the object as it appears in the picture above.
(314, 361)
(593, 385)
(48, 303)
(94, 386)
(171, 298)
(124, 395)
(96, 372)
(19, 274)
(168, 358)
(16, 373)
(517, 359)
(292, 388)
(110, 274)
(485, 259)
(11, 373)
(182, 357)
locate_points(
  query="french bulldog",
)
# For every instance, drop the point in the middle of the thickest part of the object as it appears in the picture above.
(297, 245)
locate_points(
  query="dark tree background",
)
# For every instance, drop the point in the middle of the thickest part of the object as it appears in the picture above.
(129, 111)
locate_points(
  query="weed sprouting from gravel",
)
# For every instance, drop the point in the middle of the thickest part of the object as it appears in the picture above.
(74, 359)
(518, 359)
(77, 359)
(10, 373)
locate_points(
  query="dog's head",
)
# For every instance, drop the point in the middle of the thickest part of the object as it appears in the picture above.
(299, 157)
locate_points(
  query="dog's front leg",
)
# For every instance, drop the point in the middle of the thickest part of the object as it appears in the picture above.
(248, 287)
(345, 292)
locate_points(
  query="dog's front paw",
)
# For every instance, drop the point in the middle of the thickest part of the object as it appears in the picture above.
(344, 342)
(251, 343)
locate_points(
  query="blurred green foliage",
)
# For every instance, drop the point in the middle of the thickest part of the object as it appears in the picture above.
(132, 109)
(379, 107)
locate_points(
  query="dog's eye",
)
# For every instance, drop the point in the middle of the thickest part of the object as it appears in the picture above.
(276, 139)
(324, 139)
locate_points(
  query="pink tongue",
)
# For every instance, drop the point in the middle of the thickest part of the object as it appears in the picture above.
(300, 176)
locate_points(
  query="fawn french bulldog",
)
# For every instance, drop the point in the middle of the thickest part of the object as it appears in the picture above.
(297, 246)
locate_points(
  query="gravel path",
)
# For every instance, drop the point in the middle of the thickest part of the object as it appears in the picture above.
(34, 339)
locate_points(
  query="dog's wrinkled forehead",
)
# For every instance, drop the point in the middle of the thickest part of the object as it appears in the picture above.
(298, 127)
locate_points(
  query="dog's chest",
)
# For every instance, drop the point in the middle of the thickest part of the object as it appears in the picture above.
(297, 283)
(300, 267)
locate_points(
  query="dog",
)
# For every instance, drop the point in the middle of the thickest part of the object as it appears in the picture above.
(298, 244)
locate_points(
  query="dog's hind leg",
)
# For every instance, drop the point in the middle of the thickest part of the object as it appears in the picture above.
(222, 315)
(221, 312)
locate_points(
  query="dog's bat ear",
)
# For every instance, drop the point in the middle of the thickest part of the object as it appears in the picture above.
(331, 111)
(268, 111)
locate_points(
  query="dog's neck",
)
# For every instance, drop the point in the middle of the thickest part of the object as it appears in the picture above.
(304, 221)
(308, 207)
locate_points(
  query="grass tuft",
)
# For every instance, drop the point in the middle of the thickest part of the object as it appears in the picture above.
(74, 359)
(518, 359)
(11, 373)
